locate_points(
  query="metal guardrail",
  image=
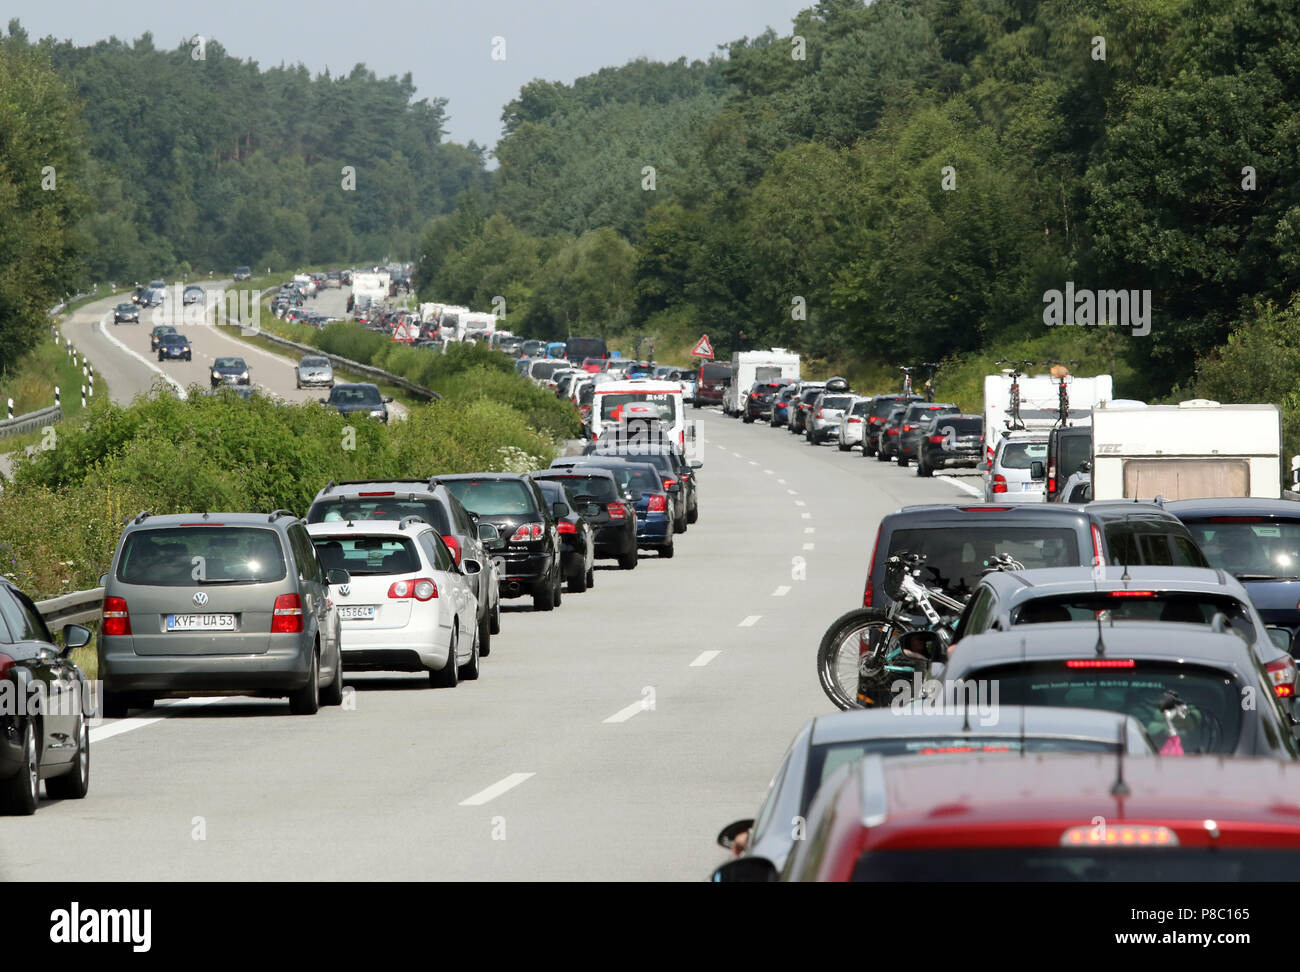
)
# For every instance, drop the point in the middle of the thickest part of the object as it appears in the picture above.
(78, 607)
(20, 424)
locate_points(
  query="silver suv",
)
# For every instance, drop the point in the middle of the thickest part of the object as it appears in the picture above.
(219, 603)
(1018, 471)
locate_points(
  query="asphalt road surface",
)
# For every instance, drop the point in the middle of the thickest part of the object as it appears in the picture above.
(609, 739)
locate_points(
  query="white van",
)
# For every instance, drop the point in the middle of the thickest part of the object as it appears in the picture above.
(609, 397)
(748, 367)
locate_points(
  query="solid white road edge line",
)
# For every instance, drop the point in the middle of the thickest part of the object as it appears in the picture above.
(100, 733)
(966, 487)
(180, 389)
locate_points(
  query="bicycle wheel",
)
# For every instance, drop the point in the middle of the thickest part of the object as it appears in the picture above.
(851, 658)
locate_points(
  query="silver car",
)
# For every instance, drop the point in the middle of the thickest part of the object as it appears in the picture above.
(1018, 471)
(853, 422)
(825, 414)
(219, 604)
(315, 372)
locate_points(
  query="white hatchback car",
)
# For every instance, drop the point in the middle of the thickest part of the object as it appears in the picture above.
(853, 423)
(1010, 478)
(408, 607)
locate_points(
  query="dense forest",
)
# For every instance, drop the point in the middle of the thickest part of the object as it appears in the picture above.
(170, 162)
(906, 181)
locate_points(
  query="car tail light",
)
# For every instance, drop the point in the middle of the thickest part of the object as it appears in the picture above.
(1119, 835)
(908, 428)
(1051, 478)
(999, 483)
(819, 413)
(936, 439)
(526, 532)
(389, 493)
(658, 503)
(868, 593)
(984, 509)
(564, 526)
(893, 431)
(616, 511)
(1282, 673)
(855, 421)
(6, 663)
(454, 546)
(1132, 593)
(669, 482)
(116, 618)
(286, 618)
(1096, 546)
(1101, 663)
(755, 395)
(420, 588)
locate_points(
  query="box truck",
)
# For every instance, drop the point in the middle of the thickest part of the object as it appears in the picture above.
(372, 285)
(1191, 450)
(748, 367)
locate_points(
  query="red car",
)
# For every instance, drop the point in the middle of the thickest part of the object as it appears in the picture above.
(1051, 817)
(711, 385)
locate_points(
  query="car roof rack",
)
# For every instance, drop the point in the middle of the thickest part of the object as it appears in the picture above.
(277, 514)
(401, 524)
(143, 515)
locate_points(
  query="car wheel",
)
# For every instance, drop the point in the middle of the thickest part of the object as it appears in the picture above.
(881, 456)
(21, 792)
(485, 636)
(923, 470)
(557, 592)
(845, 448)
(591, 577)
(695, 404)
(299, 384)
(692, 515)
(495, 625)
(113, 705)
(449, 674)
(306, 700)
(469, 671)
(333, 693)
(543, 597)
(578, 582)
(749, 420)
(628, 560)
(902, 461)
(74, 784)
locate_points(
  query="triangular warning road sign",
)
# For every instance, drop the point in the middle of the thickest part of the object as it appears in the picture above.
(702, 349)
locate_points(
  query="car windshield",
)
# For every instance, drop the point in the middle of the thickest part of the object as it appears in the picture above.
(355, 395)
(188, 556)
(1137, 605)
(361, 556)
(955, 556)
(235, 363)
(493, 497)
(172, 339)
(1185, 865)
(126, 307)
(1019, 455)
(1185, 708)
(1249, 545)
(315, 363)
(613, 402)
(545, 369)
(343, 508)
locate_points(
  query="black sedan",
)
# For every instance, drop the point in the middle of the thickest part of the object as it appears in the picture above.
(229, 371)
(361, 397)
(611, 513)
(173, 346)
(156, 335)
(577, 538)
(126, 314)
(952, 441)
(45, 732)
(193, 295)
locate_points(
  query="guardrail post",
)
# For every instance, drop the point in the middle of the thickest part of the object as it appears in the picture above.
(57, 402)
(83, 396)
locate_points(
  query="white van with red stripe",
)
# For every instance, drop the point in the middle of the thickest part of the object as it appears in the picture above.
(611, 397)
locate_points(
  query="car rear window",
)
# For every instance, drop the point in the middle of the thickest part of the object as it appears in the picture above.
(836, 401)
(1138, 605)
(1074, 450)
(664, 402)
(963, 426)
(188, 556)
(1208, 713)
(368, 555)
(1261, 548)
(1155, 543)
(493, 497)
(1019, 455)
(955, 555)
(860, 407)
(597, 487)
(346, 508)
(545, 369)
(716, 372)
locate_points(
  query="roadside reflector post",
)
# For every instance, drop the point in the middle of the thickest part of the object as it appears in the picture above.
(57, 402)
(83, 396)
(11, 409)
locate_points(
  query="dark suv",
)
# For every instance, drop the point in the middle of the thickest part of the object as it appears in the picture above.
(909, 428)
(530, 562)
(714, 380)
(758, 403)
(219, 603)
(951, 441)
(394, 499)
(878, 414)
(957, 541)
(615, 521)
(1067, 449)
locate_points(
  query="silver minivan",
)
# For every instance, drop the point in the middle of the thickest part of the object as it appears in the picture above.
(219, 604)
(1018, 473)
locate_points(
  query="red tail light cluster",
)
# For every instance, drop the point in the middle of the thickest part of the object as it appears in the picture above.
(566, 527)
(1282, 673)
(936, 439)
(1101, 663)
(116, 618)
(6, 663)
(420, 588)
(616, 511)
(999, 483)
(855, 421)
(454, 546)
(658, 503)
(286, 617)
(893, 431)
(869, 592)
(526, 532)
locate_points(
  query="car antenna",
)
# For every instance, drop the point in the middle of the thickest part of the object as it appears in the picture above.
(1023, 654)
(1120, 788)
(1100, 647)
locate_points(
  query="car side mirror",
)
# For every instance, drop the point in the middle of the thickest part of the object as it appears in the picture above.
(750, 869)
(697, 463)
(103, 580)
(559, 510)
(322, 401)
(488, 531)
(75, 636)
(728, 834)
(337, 576)
(388, 400)
(470, 566)
(928, 644)
(1280, 637)
(1037, 470)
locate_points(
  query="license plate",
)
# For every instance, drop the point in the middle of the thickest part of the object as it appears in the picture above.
(1032, 487)
(357, 612)
(200, 622)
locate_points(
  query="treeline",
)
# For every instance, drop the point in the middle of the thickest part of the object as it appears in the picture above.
(905, 181)
(167, 162)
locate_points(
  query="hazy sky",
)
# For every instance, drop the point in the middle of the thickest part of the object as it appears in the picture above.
(445, 44)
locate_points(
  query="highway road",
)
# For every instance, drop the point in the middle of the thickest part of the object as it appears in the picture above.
(607, 740)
